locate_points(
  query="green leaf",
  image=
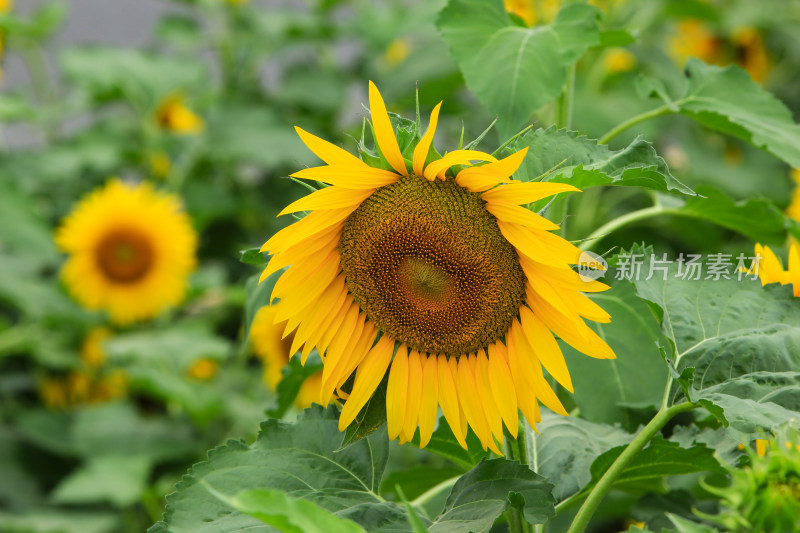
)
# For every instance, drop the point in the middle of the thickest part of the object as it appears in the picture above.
(118, 479)
(636, 378)
(726, 99)
(299, 459)
(253, 256)
(486, 491)
(511, 69)
(659, 459)
(682, 525)
(742, 341)
(444, 443)
(575, 159)
(756, 218)
(291, 515)
(567, 446)
(417, 526)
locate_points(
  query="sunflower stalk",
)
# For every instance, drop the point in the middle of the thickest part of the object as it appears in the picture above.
(563, 105)
(604, 484)
(653, 113)
(520, 449)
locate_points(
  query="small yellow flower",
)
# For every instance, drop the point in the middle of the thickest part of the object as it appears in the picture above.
(793, 211)
(92, 351)
(534, 12)
(172, 115)
(695, 39)
(619, 60)
(160, 164)
(397, 52)
(203, 369)
(266, 337)
(131, 250)
(751, 53)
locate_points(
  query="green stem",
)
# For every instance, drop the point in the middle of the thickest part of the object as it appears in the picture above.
(605, 483)
(653, 113)
(624, 220)
(518, 449)
(432, 492)
(563, 109)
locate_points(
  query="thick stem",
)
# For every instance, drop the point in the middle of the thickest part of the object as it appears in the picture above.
(563, 108)
(605, 483)
(518, 449)
(657, 112)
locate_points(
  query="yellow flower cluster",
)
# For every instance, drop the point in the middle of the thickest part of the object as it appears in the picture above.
(91, 384)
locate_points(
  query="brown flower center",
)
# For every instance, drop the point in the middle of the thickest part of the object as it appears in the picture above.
(428, 264)
(125, 256)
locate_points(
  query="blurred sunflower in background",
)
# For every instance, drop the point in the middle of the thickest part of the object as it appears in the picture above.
(173, 115)
(266, 337)
(446, 281)
(131, 250)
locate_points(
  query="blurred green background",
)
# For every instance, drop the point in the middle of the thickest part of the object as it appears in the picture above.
(98, 422)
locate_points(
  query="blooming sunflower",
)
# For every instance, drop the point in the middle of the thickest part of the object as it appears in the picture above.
(446, 281)
(275, 352)
(130, 249)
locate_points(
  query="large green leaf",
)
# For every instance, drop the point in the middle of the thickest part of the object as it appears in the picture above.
(727, 100)
(567, 446)
(303, 461)
(299, 459)
(568, 157)
(514, 70)
(291, 515)
(486, 491)
(118, 479)
(636, 378)
(735, 345)
(756, 218)
(659, 459)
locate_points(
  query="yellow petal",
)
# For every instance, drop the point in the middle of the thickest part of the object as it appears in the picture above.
(368, 376)
(316, 317)
(586, 307)
(526, 395)
(322, 243)
(328, 198)
(414, 398)
(529, 243)
(503, 389)
(328, 152)
(309, 226)
(448, 399)
(545, 348)
(348, 335)
(396, 392)
(349, 177)
(424, 146)
(456, 157)
(481, 178)
(563, 276)
(453, 364)
(515, 214)
(430, 399)
(520, 193)
(384, 133)
(487, 399)
(793, 273)
(573, 332)
(329, 322)
(472, 409)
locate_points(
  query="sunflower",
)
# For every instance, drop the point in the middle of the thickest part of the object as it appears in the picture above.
(130, 249)
(274, 350)
(446, 281)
